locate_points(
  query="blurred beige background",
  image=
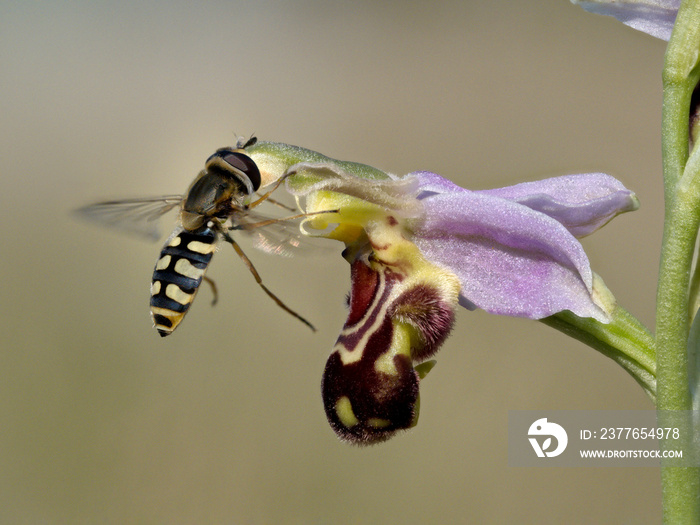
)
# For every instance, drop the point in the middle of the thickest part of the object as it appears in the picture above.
(102, 421)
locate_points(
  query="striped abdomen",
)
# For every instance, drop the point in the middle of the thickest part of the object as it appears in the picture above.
(177, 276)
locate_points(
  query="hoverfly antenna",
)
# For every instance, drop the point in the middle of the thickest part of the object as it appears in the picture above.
(243, 143)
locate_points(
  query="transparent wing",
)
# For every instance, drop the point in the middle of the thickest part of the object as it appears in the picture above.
(281, 237)
(137, 216)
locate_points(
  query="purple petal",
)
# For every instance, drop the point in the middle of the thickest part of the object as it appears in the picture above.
(430, 183)
(510, 259)
(654, 17)
(582, 203)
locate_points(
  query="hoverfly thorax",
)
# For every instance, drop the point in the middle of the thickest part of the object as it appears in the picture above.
(225, 185)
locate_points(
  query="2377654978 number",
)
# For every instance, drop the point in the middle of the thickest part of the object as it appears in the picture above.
(639, 433)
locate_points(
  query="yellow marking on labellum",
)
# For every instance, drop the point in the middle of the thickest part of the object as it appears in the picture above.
(378, 423)
(155, 287)
(175, 241)
(385, 363)
(173, 291)
(343, 407)
(400, 339)
(349, 357)
(201, 247)
(186, 268)
(163, 262)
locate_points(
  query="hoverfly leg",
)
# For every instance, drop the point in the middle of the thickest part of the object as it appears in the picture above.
(266, 195)
(253, 225)
(258, 280)
(280, 204)
(214, 290)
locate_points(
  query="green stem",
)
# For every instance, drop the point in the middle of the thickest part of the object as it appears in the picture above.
(681, 486)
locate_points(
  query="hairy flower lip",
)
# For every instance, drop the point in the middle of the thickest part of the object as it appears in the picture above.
(654, 17)
(370, 387)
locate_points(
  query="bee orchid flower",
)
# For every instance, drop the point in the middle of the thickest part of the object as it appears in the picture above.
(419, 246)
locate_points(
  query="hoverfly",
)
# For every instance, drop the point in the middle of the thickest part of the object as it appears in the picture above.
(217, 202)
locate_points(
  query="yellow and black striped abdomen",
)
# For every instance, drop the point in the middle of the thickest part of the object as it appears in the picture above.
(177, 276)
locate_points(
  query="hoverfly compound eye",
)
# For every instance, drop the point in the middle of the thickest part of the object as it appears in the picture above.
(238, 165)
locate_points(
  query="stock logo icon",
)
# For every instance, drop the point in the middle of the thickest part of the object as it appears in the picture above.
(540, 435)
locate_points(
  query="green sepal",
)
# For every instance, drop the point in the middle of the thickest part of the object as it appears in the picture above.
(423, 368)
